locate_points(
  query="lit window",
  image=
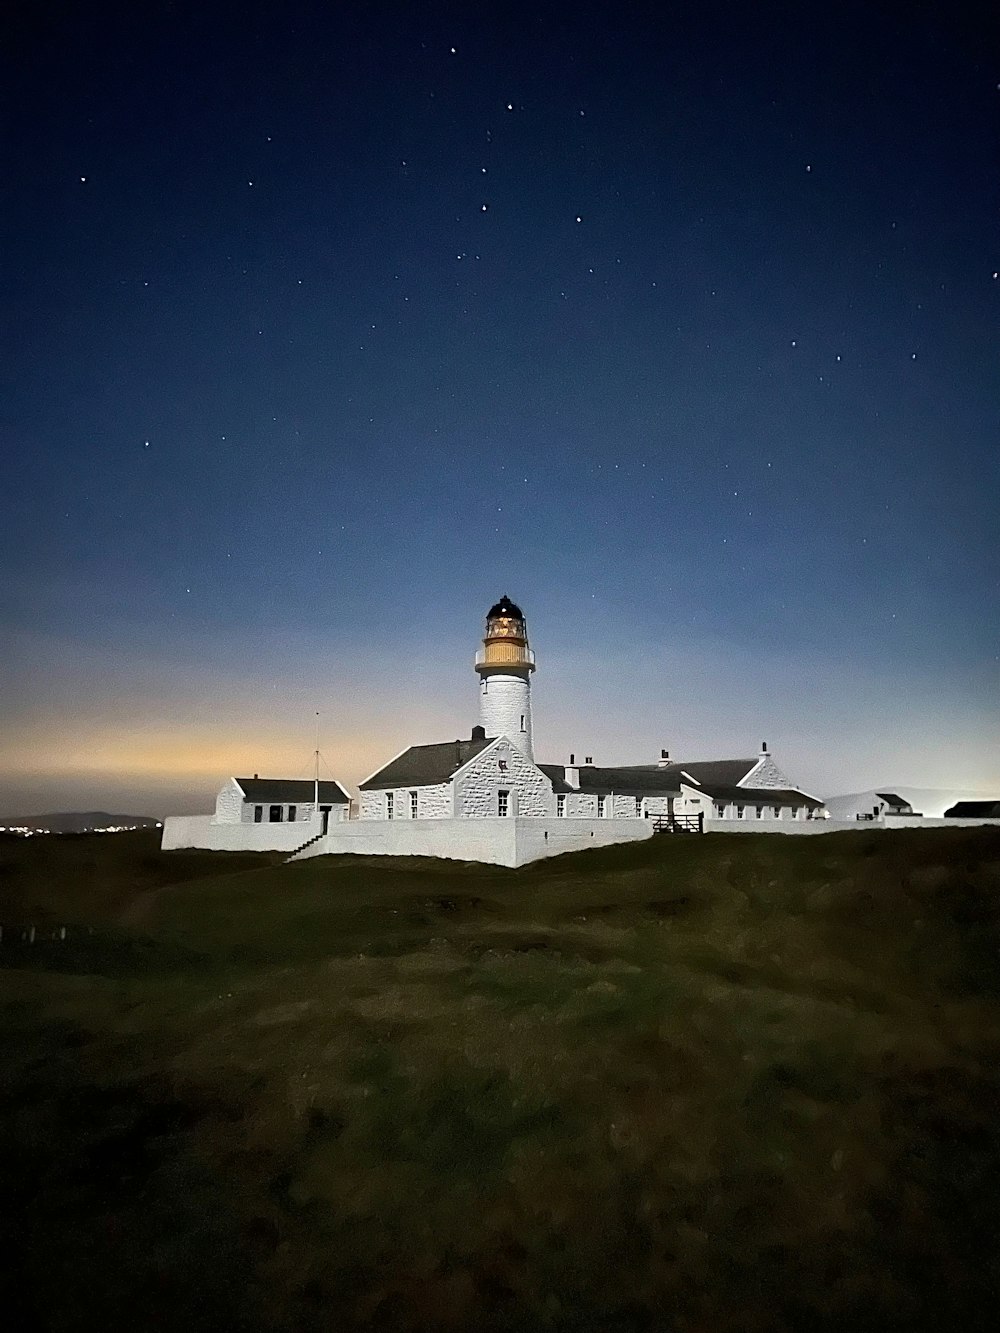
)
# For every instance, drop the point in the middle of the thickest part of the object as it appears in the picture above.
(560, 807)
(388, 804)
(502, 800)
(258, 813)
(413, 805)
(275, 814)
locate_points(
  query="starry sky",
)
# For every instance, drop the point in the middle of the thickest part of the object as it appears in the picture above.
(327, 324)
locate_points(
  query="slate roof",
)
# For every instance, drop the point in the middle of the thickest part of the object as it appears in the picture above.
(639, 779)
(426, 765)
(974, 810)
(892, 799)
(759, 795)
(282, 792)
(554, 772)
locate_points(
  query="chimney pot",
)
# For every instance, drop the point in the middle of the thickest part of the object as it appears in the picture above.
(256, 775)
(588, 760)
(763, 747)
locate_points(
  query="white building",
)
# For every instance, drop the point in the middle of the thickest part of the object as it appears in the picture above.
(487, 799)
(869, 807)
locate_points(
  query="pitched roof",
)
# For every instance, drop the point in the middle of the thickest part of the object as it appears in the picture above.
(758, 795)
(652, 778)
(554, 773)
(974, 810)
(282, 791)
(891, 798)
(425, 765)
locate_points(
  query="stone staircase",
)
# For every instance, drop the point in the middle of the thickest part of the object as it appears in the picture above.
(308, 843)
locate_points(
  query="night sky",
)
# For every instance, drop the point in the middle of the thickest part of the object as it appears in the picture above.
(326, 325)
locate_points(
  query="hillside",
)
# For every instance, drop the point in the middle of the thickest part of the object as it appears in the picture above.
(696, 1084)
(77, 821)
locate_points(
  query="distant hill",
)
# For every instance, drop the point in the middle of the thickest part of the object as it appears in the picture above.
(75, 822)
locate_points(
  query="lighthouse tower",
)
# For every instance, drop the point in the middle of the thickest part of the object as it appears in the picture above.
(505, 663)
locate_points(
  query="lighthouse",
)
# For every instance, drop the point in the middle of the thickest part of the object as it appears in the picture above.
(505, 663)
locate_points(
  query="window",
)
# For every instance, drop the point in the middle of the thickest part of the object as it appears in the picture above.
(600, 807)
(522, 721)
(638, 807)
(275, 814)
(795, 811)
(720, 809)
(502, 801)
(760, 812)
(291, 813)
(560, 807)
(258, 813)
(777, 812)
(739, 812)
(413, 805)
(388, 804)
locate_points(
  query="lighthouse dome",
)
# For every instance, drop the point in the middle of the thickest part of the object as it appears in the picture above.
(505, 607)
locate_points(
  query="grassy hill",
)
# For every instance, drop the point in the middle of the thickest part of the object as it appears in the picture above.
(694, 1084)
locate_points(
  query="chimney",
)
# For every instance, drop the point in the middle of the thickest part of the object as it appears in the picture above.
(256, 775)
(664, 759)
(571, 774)
(588, 760)
(478, 733)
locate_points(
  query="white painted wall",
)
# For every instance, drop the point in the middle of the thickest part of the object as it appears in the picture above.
(477, 784)
(511, 842)
(202, 831)
(766, 774)
(229, 803)
(433, 802)
(504, 698)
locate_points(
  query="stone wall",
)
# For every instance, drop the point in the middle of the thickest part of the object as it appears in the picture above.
(229, 803)
(503, 701)
(767, 774)
(478, 784)
(433, 802)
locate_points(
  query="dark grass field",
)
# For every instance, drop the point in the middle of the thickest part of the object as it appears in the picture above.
(700, 1084)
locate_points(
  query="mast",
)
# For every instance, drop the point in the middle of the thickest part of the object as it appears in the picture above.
(316, 787)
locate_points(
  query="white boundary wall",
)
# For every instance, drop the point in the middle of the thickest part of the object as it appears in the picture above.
(203, 831)
(505, 842)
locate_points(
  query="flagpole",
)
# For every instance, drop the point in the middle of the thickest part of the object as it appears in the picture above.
(316, 788)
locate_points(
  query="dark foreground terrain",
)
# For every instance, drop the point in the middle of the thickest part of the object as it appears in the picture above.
(704, 1084)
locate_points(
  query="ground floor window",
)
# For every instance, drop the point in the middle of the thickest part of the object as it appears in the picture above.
(274, 817)
(739, 812)
(760, 812)
(388, 804)
(258, 813)
(638, 807)
(600, 807)
(720, 810)
(292, 811)
(413, 804)
(795, 811)
(503, 803)
(560, 807)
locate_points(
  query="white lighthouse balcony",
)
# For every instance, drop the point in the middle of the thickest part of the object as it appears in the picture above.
(500, 655)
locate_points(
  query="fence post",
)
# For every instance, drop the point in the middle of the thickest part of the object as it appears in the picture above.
(62, 932)
(31, 935)
(701, 821)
